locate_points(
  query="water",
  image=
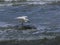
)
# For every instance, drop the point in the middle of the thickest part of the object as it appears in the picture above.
(44, 17)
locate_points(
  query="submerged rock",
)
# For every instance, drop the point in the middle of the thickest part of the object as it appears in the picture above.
(25, 27)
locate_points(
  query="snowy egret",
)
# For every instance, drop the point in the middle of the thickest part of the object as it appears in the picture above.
(23, 19)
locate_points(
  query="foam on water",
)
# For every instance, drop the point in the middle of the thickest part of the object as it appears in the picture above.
(5, 24)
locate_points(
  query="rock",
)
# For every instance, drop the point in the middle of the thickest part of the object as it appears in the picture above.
(24, 27)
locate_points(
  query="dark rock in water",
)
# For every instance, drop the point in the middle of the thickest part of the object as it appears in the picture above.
(29, 27)
(24, 27)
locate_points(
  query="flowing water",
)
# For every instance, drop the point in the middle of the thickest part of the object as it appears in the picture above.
(44, 17)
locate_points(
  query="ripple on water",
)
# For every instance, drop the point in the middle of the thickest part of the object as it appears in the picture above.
(16, 34)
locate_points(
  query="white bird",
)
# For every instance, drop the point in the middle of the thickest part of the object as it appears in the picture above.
(23, 19)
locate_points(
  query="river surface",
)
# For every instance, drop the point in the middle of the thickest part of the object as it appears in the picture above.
(44, 17)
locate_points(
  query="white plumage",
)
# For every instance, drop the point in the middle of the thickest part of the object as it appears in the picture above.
(23, 19)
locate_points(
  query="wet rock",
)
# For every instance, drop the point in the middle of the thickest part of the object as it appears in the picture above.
(25, 27)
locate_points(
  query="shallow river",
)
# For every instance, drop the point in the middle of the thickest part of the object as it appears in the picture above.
(44, 17)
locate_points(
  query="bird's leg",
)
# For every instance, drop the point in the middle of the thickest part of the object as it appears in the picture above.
(22, 25)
